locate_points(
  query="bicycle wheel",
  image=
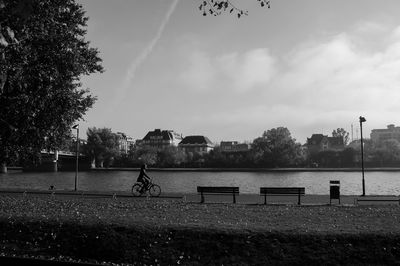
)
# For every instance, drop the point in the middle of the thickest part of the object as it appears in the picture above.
(155, 190)
(137, 190)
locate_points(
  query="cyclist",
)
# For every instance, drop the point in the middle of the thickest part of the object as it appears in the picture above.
(143, 177)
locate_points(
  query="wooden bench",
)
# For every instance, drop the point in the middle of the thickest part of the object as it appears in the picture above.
(218, 190)
(282, 191)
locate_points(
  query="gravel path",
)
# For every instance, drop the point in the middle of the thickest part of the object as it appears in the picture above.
(140, 231)
(161, 212)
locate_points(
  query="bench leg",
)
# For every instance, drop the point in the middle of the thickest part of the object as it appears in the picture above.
(234, 198)
(202, 198)
(299, 199)
(265, 199)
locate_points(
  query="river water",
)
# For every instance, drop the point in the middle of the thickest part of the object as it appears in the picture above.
(376, 183)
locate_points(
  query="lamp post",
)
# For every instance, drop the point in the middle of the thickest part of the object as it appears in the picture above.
(77, 155)
(362, 119)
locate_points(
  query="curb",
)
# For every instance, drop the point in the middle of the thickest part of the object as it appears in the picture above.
(98, 194)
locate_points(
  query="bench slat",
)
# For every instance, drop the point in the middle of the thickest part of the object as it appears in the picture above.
(218, 189)
(282, 190)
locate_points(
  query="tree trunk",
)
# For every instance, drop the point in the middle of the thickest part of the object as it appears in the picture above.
(2, 81)
(3, 168)
(93, 164)
(3, 75)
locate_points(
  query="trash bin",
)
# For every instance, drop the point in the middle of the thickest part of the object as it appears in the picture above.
(334, 186)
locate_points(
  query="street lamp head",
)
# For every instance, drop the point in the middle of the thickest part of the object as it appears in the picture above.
(362, 119)
(75, 126)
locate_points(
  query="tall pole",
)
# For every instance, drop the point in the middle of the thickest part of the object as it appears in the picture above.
(362, 119)
(77, 156)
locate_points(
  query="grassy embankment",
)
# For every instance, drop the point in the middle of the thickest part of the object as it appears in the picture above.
(170, 232)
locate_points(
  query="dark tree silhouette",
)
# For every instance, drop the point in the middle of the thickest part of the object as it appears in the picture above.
(43, 55)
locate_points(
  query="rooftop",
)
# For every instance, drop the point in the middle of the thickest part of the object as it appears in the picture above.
(196, 140)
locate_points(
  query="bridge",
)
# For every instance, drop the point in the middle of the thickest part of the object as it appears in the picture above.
(59, 161)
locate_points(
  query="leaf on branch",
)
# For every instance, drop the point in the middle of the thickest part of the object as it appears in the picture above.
(3, 42)
(218, 7)
(11, 34)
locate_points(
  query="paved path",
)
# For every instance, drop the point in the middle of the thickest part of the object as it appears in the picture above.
(309, 200)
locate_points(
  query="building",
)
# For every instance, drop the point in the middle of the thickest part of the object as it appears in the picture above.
(196, 144)
(319, 142)
(130, 142)
(234, 146)
(161, 139)
(391, 132)
(125, 142)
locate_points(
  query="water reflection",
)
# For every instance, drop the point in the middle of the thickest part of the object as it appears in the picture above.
(383, 183)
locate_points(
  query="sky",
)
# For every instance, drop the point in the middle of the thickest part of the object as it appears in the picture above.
(311, 66)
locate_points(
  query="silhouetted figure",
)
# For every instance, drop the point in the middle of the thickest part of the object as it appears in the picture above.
(143, 177)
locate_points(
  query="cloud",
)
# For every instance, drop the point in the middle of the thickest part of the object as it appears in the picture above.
(338, 74)
(319, 85)
(369, 27)
(232, 71)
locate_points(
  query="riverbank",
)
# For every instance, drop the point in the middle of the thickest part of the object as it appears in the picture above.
(220, 169)
(163, 231)
(372, 169)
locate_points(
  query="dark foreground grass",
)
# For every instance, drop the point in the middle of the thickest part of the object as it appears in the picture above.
(140, 231)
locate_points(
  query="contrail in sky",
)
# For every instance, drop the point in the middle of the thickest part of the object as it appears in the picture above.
(131, 73)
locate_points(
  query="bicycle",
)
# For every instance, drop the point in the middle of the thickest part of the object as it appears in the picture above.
(138, 189)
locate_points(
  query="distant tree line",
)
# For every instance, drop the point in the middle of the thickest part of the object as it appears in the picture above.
(376, 154)
(275, 148)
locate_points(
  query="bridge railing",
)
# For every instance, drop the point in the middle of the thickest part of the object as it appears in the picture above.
(67, 153)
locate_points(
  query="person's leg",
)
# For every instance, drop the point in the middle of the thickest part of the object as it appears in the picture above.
(146, 183)
(142, 189)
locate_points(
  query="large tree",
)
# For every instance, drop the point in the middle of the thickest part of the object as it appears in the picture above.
(277, 148)
(102, 146)
(144, 154)
(43, 56)
(340, 132)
